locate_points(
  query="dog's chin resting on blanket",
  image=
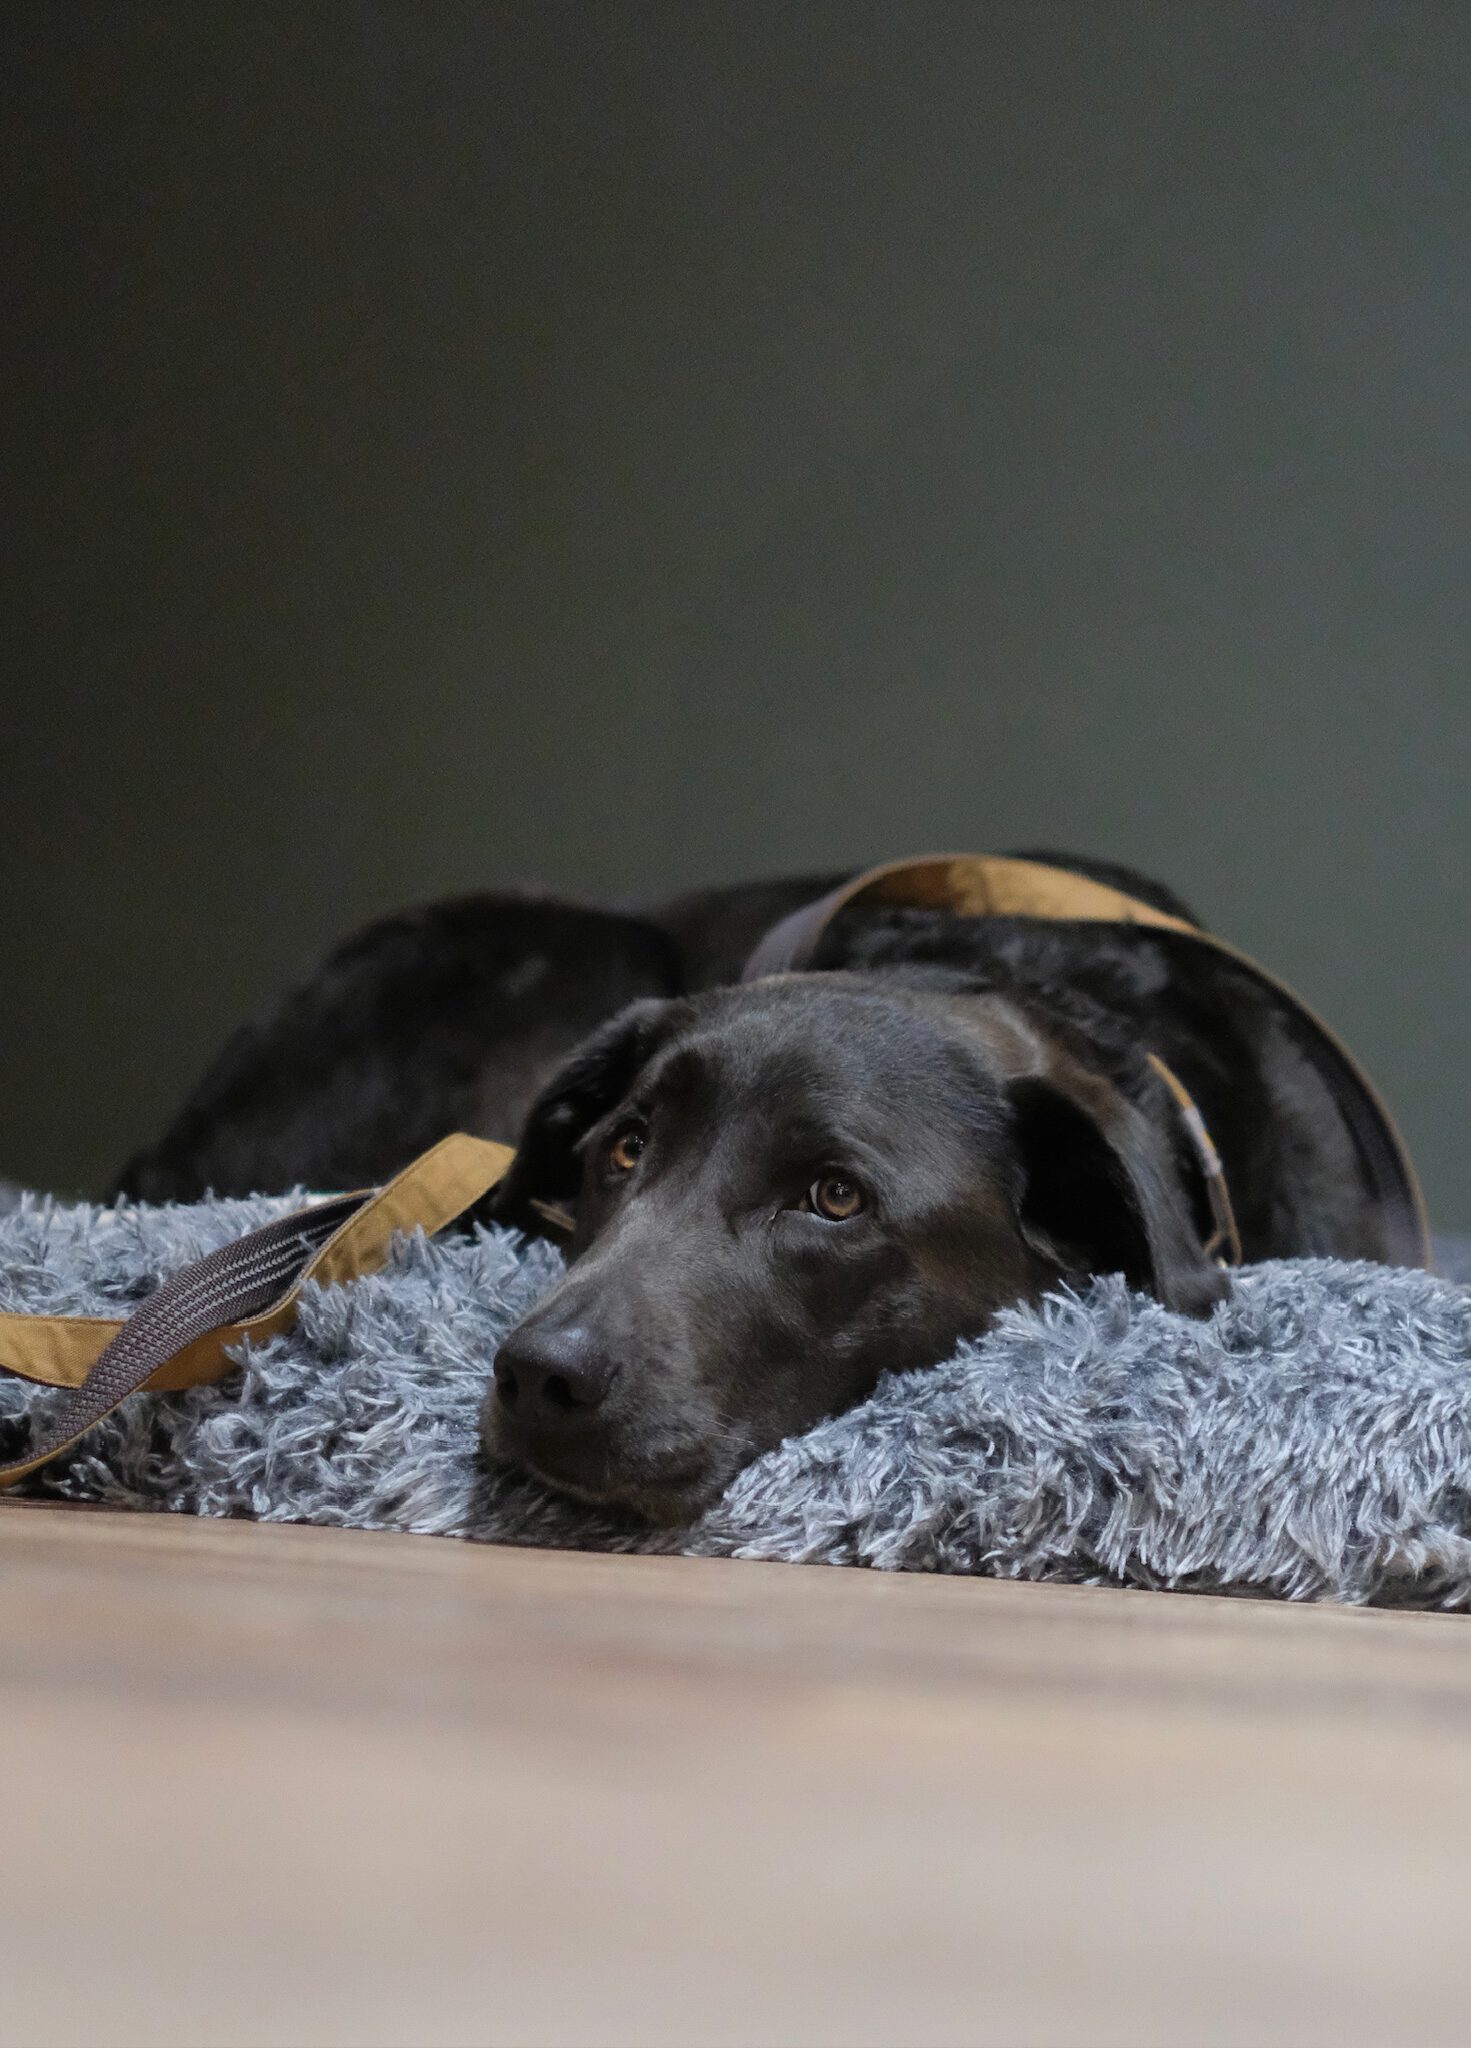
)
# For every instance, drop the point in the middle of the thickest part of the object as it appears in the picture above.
(1310, 1439)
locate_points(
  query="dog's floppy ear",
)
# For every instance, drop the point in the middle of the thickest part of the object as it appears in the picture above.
(546, 1172)
(1099, 1192)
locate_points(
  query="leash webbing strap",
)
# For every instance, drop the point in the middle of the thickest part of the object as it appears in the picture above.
(245, 1291)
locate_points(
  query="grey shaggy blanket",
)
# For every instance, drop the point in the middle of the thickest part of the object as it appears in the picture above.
(1311, 1441)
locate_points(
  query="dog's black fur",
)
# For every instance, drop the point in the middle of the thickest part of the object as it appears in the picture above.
(979, 1086)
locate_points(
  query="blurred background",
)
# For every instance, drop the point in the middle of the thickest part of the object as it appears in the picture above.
(620, 445)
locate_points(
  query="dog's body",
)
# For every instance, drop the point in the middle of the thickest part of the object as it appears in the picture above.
(979, 1088)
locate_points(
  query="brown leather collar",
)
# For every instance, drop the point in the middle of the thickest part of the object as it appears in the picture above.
(988, 885)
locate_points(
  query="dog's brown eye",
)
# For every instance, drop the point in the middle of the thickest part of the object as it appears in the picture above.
(835, 1197)
(625, 1151)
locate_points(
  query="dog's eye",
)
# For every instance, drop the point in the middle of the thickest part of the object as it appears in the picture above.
(835, 1196)
(626, 1150)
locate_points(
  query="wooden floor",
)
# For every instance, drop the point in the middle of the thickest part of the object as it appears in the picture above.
(300, 1786)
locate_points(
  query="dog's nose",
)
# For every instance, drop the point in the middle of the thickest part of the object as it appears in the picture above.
(551, 1376)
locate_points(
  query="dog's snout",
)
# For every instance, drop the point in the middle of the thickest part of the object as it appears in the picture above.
(551, 1376)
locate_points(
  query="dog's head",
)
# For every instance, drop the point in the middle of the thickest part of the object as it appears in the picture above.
(781, 1190)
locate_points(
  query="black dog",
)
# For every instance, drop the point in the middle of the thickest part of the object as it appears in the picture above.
(775, 1191)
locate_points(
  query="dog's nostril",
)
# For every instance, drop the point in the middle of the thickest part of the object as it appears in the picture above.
(507, 1386)
(550, 1377)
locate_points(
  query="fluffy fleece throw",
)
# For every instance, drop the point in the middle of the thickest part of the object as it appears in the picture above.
(1312, 1440)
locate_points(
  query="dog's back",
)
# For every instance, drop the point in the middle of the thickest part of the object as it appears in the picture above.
(454, 1015)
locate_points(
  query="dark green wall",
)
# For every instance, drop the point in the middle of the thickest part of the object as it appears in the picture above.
(615, 443)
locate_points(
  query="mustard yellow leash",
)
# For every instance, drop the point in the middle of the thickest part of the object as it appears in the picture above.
(245, 1292)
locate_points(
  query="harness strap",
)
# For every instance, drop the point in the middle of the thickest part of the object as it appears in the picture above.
(184, 1333)
(992, 885)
